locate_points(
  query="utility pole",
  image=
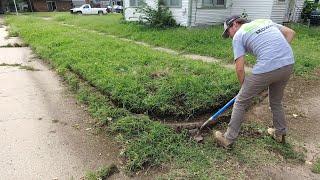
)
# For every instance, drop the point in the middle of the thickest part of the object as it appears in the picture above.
(15, 5)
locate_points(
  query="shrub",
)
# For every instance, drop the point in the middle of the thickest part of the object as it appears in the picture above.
(159, 17)
(308, 8)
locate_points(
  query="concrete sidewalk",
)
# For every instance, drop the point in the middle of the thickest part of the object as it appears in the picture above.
(44, 133)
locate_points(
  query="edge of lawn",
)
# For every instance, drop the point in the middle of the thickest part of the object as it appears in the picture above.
(146, 143)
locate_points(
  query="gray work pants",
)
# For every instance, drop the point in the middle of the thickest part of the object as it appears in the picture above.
(254, 84)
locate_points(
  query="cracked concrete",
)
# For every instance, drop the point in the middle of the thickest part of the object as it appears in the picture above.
(5, 40)
(44, 132)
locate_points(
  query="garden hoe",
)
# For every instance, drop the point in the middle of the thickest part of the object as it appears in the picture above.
(213, 118)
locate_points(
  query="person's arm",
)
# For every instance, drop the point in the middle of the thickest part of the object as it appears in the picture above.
(288, 33)
(240, 69)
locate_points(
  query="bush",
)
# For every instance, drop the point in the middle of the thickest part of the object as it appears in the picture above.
(307, 9)
(161, 17)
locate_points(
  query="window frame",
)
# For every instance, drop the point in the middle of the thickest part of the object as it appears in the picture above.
(136, 3)
(213, 5)
(173, 6)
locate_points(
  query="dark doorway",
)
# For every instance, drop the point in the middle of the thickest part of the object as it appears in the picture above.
(51, 5)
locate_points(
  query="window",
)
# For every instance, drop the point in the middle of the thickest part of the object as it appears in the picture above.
(136, 3)
(220, 2)
(213, 3)
(172, 3)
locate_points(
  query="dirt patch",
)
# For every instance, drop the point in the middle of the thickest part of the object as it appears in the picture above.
(302, 105)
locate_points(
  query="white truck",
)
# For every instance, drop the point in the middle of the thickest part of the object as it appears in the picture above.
(87, 9)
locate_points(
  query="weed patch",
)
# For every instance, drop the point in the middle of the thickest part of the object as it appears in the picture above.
(316, 166)
(14, 45)
(12, 65)
(28, 68)
(285, 150)
(102, 173)
(13, 31)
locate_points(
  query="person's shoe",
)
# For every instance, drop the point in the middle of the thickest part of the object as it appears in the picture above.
(278, 138)
(222, 141)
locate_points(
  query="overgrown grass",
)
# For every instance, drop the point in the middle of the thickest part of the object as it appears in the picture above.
(306, 49)
(102, 173)
(203, 41)
(137, 78)
(145, 143)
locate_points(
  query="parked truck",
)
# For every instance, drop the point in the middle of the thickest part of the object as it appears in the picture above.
(87, 9)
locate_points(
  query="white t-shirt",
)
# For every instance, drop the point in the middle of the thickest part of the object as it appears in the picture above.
(263, 39)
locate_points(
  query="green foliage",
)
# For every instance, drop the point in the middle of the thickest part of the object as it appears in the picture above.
(309, 6)
(159, 17)
(13, 31)
(99, 106)
(286, 150)
(203, 41)
(305, 47)
(150, 143)
(137, 78)
(102, 173)
(316, 166)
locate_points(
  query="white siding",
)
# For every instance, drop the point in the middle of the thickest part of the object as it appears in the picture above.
(131, 14)
(256, 9)
(297, 11)
(180, 14)
(206, 16)
(278, 13)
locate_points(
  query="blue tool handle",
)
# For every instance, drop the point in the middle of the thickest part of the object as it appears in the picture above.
(222, 109)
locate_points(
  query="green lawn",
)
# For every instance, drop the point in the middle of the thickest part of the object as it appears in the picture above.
(306, 49)
(117, 79)
(137, 78)
(203, 41)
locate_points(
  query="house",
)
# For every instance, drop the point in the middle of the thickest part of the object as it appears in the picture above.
(51, 5)
(207, 12)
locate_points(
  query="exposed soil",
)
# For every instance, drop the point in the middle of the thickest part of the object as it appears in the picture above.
(302, 108)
